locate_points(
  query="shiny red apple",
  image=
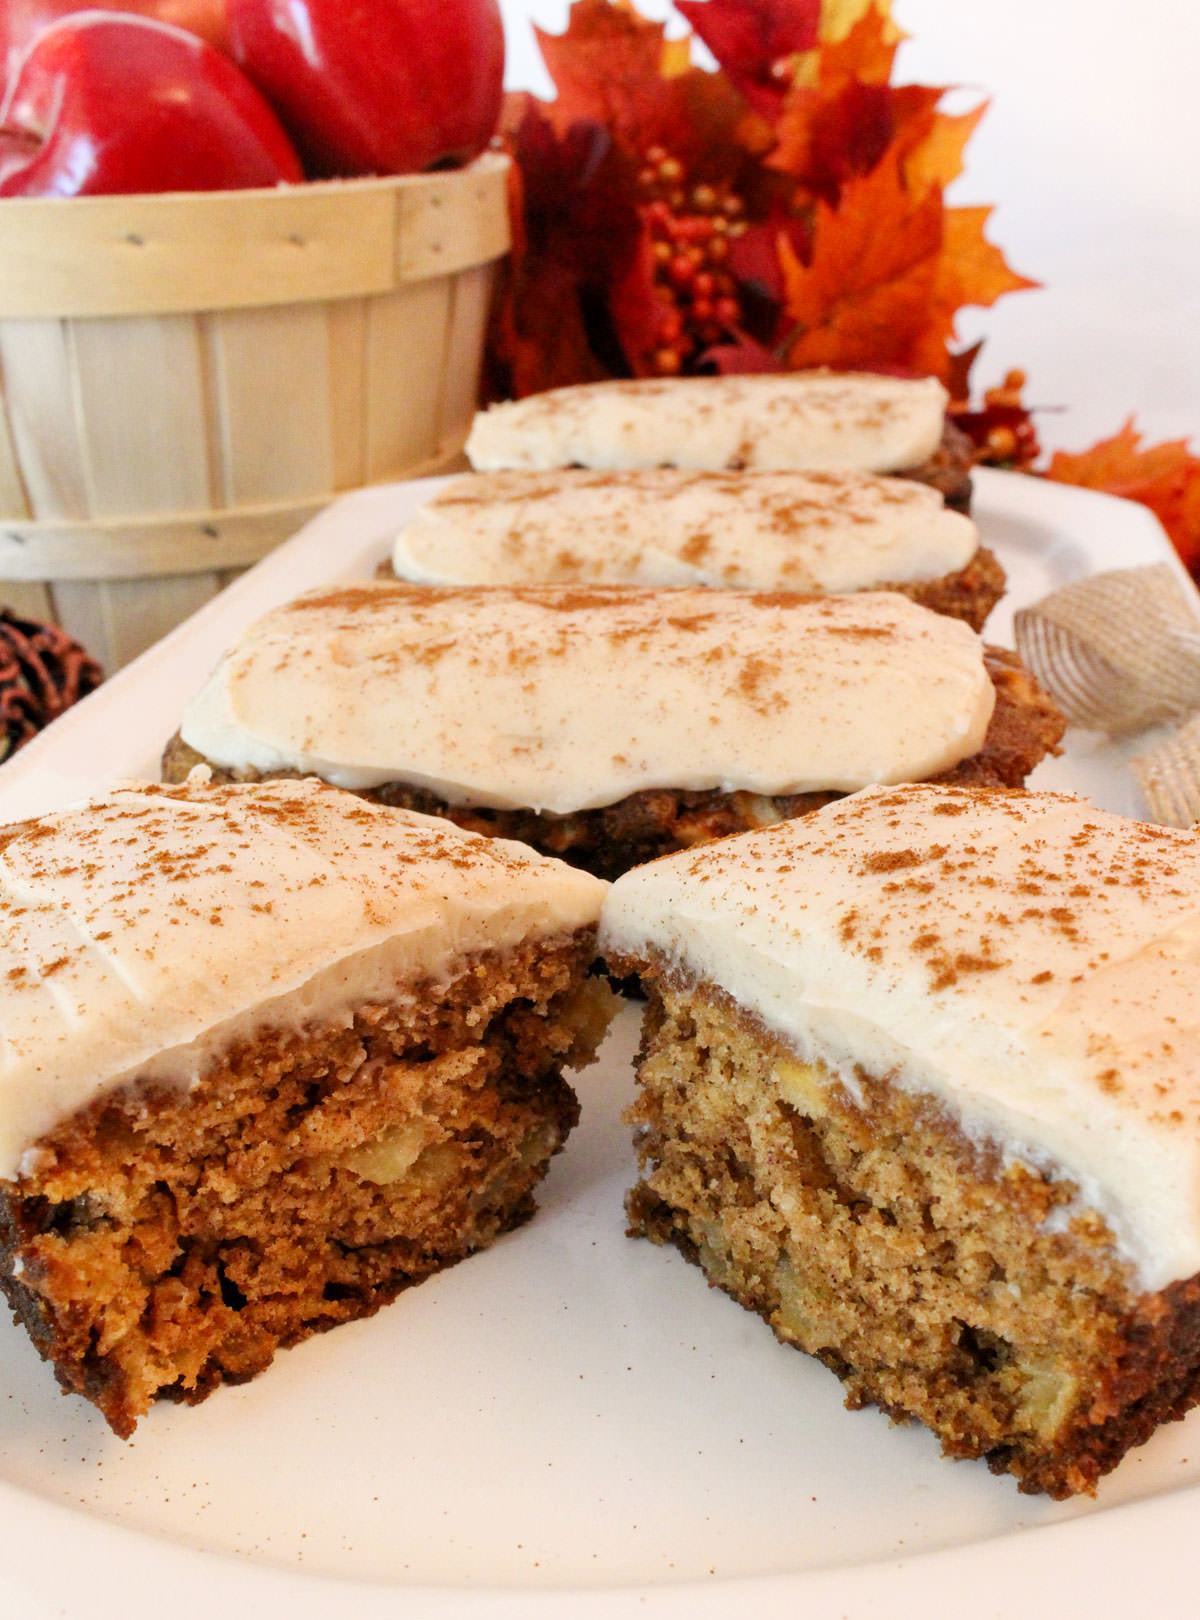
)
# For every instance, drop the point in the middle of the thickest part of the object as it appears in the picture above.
(22, 20)
(376, 86)
(105, 102)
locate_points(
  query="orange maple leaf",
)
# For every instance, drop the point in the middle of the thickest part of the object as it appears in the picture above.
(865, 51)
(974, 271)
(1165, 477)
(866, 297)
(889, 272)
(841, 114)
(935, 158)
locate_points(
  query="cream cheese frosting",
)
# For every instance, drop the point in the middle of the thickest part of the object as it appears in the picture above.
(1027, 959)
(565, 699)
(788, 422)
(822, 532)
(146, 931)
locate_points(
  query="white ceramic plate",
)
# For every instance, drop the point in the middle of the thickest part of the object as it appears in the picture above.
(570, 1424)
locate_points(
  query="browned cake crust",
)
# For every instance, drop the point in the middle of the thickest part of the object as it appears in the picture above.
(1024, 728)
(948, 469)
(170, 1241)
(969, 594)
(874, 1235)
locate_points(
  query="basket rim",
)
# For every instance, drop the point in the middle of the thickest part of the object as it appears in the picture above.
(171, 252)
(243, 197)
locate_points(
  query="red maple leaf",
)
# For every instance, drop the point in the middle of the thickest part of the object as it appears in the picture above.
(615, 68)
(827, 139)
(575, 230)
(754, 40)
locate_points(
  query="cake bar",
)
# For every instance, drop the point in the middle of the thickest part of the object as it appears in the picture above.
(607, 724)
(818, 532)
(271, 1055)
(919, 1084)
(786, 422)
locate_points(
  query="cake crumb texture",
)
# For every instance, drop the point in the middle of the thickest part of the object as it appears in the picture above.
(937, 1280)
(170, 1241)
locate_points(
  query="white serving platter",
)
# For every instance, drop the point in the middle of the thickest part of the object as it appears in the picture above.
(570, 1424)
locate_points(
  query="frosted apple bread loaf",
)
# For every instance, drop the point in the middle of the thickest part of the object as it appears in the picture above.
(272, 1054)
(792, 421)
(817, 532)
(609, 725)
(919, 1084)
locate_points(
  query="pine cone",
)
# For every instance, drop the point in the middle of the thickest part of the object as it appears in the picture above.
(42, 673)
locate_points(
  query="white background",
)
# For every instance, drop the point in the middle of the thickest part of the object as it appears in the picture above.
(1090, 153)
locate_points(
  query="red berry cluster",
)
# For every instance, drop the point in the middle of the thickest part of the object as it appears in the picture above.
(1003, 431)
(691, 227)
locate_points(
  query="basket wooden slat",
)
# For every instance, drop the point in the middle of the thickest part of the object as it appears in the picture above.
(468, 325)
(260, 357)
(347, 393)
(12, 491)
(130, 548)
(406, 345)
(127, 616)
(186, 379)
(132, 461)
(37, 364)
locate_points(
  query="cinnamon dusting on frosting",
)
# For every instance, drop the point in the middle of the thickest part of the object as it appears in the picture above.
(817, 531)
(513, 696)
(791, 421)
(1066, 1030)
(149, 925)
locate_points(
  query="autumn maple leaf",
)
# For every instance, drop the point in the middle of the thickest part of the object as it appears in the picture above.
(971, 270)
(933, 156)
(865, 296)
(889, 272)
(1164, 477)
(843, 114)
(613, 67)
(575, 230)
(787, 208)
(606, 66)
(754, 42)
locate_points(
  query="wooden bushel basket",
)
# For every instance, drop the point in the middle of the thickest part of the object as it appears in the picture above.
(186, 379)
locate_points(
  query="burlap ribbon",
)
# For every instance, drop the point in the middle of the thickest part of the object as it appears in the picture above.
(1120, 653)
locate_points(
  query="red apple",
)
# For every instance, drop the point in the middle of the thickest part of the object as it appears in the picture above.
(376, 86)
(22, 20)
(105, 103)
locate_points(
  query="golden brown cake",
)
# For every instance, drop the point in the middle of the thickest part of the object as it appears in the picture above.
(824, 533)
(609, 725)
(919, 1084)
(272, 1054)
